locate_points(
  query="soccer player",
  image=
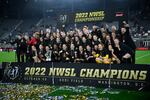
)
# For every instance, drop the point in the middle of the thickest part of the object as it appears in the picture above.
(102, 56)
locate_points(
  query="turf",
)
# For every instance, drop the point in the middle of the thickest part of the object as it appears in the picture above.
(142, 57)
(7, 57)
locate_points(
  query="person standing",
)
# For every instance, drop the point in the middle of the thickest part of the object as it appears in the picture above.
(126, 38)
(23, 49)
(18, 47)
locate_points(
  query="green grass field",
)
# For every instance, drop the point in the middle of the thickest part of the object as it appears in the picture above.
(142, 57)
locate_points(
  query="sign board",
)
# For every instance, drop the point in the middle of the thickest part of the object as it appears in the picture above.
(87, 74)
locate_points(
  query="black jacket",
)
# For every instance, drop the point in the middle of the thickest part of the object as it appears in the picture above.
(127, 39)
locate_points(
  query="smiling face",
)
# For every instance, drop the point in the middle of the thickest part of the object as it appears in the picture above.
(83, 39)
(95, 37)
(102, 29)
(55, 46)
(95, 47)
(47, 48)
(63, 34)
(76, 39)
(64, 47)
(57, 40)
(67, 39)
(88, 48)
(80, 48)
(40, 47)
(116, 41)
(100, 46)
(107, 37)
(72, 47)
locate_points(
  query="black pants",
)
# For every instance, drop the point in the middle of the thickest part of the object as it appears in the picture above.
(20, 57)
(28, 57)
(126, 61)
(1, 72)
(133, 57)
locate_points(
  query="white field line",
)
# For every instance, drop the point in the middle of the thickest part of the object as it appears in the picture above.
(142, 56)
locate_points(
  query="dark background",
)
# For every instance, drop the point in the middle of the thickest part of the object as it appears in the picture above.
(22, 9)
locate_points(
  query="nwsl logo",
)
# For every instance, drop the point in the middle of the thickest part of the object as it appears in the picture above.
(13, 72)
(63, 18)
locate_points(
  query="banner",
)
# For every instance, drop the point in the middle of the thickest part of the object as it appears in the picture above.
(87, 74)
(89, 16)
(81, 17)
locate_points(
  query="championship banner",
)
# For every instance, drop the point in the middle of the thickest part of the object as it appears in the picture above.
(73, 74)
(89, 16)
(81, 17)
